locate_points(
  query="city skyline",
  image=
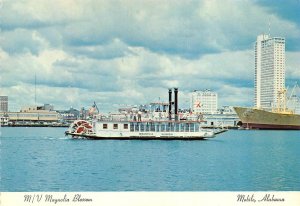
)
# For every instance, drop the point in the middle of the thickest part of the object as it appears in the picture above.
(131, 52)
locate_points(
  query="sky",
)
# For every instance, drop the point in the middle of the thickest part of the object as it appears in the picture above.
(129, 52)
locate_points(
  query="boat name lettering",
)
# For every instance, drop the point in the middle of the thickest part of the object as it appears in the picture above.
(167, 134)
(145, 133)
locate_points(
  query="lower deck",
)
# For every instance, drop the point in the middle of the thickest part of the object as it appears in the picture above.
(148, 137)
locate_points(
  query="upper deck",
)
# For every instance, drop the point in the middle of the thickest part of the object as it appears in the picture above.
(147, 126)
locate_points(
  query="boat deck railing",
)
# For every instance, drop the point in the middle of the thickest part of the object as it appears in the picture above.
(124, 119)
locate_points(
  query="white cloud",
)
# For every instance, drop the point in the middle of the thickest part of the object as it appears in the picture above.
(188, 28)
(293, 65)
(23, 41)
(37, 13)
(235, 96)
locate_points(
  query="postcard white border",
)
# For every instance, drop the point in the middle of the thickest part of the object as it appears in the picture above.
(149, 198)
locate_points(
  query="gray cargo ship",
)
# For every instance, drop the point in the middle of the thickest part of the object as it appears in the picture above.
(253, 118)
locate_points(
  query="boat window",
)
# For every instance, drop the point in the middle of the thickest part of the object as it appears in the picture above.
(152, 127)
(196, 127)
(163, 128)
(168, 127)
(115, 126)
(137, 128)
(177, 127)
(181, 127)
(157, 127)
(172, 127)
(131, 127)
(192, 129)
(187, 127)
(142, 127)
(104, 126)
(125, 126)
(147, 127)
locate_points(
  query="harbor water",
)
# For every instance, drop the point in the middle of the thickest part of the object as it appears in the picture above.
(43, 159)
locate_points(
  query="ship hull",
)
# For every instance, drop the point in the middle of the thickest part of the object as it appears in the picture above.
(97, 137)
(259, 119)
(146, 135)
(270, 126)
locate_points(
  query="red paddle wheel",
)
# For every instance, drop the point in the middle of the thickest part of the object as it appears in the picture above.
(82, 127)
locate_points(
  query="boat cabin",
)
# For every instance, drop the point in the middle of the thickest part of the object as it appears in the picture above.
(159, 126)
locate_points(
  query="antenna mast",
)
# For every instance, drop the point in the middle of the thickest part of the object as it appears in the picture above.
(35, 89)
(269, 27)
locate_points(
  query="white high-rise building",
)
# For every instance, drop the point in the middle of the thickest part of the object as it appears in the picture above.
(205, 102)
(269, 70)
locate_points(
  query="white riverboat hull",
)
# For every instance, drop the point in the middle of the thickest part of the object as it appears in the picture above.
(145, 136)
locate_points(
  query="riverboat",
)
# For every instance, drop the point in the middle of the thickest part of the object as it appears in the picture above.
(139, 130)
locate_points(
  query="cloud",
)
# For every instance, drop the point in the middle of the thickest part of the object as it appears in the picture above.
(22, 41)
(35, 14)
(113, 49)
(235, 96)
(293, 65)
(189, 29)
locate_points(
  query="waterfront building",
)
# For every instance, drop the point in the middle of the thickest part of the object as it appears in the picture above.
(224, 117)
(4, 119)
(32, 114)
(69, 115)
(204, 102)
(3, 103)
(220, 120)
(48, 107)
(269, 70)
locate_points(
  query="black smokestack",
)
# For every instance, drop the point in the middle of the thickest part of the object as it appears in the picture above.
(176, 103)
(170, 104)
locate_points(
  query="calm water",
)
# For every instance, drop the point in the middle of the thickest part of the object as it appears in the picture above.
(43, 159)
